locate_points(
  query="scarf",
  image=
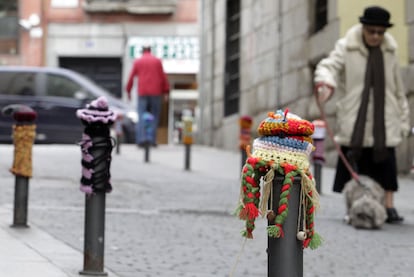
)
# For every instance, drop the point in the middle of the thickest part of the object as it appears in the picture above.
(374, 81)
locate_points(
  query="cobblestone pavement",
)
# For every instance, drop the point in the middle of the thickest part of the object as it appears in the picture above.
(164, 221)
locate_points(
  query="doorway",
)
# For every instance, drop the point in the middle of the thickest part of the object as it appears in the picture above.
(107, 72)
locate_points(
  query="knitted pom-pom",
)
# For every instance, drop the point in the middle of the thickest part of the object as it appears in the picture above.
(101, 103)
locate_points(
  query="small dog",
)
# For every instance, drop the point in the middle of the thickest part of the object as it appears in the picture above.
(365, 203)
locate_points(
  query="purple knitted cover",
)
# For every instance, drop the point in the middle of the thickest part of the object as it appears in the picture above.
(96, 115)
(97, 111)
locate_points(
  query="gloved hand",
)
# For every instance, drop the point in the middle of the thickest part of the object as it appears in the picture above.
(323, 92)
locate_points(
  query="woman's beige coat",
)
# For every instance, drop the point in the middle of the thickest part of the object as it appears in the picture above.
(344, 69)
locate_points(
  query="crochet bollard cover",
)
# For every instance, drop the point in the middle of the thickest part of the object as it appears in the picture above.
(96, 146)
(283, 147)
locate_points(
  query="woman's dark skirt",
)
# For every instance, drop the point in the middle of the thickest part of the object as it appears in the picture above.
(384, 173)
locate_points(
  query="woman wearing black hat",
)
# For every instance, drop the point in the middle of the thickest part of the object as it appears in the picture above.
(372, 109)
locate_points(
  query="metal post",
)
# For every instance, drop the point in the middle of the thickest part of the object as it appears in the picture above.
(21, 197)
(187, 156)
(285, 254)
(118, 132)
(318, 155)
(118, 144)
(187, 119)
(317, 174)
(93, 259)
(146, 151)
(148, 129)
(96, 146)
(24, 132)
(243, 157)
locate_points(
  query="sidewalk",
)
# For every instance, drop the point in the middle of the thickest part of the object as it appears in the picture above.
(199, 236)
(31, 252)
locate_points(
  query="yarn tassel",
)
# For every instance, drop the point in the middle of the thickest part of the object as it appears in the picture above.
(316, 241)
(238, 209)
(249, 212)
(308, 183)
(267, 189)
(248, 209)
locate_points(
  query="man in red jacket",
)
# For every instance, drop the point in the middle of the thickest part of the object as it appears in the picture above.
(152, 86)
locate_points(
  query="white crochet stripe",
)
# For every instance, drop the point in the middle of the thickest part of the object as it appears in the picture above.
(281, 156)
(269, 146)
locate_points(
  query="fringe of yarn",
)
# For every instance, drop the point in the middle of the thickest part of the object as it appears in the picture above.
(250, 205)
(276, 230)
(248, 209)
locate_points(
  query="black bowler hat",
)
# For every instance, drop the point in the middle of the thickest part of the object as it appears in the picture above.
(376, 16)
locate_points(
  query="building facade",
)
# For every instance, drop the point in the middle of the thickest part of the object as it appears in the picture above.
(259, 56)
(101, 38)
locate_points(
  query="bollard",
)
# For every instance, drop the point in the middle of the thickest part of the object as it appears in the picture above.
(148, 128)
(187, 119)
(285, 256)
(118, 132)
(96, 146)
(245, 123)
(24, 131)
(276, 183)
(318, 155)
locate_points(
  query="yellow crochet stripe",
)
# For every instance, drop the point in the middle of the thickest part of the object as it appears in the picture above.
(280, 156)
(23, 138)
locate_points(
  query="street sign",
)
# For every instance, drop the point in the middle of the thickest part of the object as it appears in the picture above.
(180, 54)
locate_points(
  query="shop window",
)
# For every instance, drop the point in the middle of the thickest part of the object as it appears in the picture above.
(9, 31)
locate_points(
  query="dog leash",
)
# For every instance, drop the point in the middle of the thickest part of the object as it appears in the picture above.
(353, 173)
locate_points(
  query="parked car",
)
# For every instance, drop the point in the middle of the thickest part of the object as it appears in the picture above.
(55, 94)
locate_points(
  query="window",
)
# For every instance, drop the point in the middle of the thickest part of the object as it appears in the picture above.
(232, 71)
(9, 31)
(61, 86)
(17, 83)
(321, 14)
